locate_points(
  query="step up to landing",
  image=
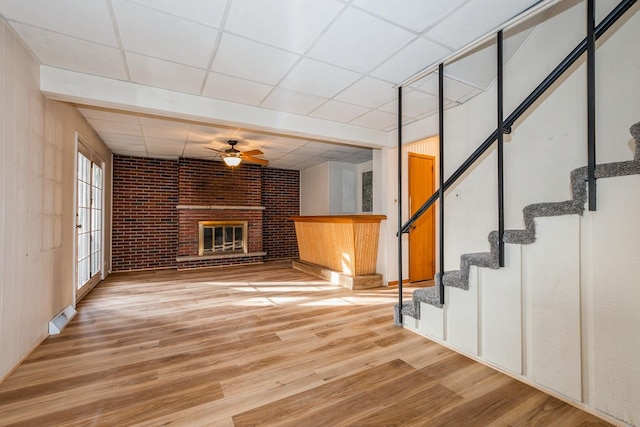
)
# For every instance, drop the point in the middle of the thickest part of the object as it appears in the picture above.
(367, 281)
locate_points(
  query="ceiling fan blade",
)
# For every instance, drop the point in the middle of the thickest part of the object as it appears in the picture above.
(252, 153)
(213, 149)
(254, 160)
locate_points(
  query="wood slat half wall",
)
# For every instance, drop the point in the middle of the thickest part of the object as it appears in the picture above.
(259, 345)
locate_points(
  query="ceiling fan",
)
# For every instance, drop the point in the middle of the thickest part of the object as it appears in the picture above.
(232, 156)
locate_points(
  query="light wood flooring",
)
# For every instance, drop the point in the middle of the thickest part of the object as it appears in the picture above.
(259, 345)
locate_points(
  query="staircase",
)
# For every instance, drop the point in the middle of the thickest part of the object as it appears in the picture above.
(460, 278)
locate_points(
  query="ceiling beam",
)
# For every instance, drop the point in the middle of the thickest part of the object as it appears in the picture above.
(85, 89)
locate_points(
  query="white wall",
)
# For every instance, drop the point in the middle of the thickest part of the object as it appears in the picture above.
(561, 315)
(314, 190)
(333, 188)
(37, 214)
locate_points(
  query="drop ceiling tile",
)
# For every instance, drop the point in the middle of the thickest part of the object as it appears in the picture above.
(164, 74)
(289, 24)
(360, 42)
(207, 12)
(88, 20)
(115, 127)
(414, 104)
(200, 138)
(114, 145)
(159, 122)
(337, 156)
(325, 145)
(252, 60)
(318, 78)
(294, 158)
(292, 102)
(475, 19)
(287, 141)
(121, 140)
(424, 13)
(152, 33)
(311, 150)
(376, 119)
(163, 143)
(453, 89)
(338, 111)
(176, 134)
(368, 92)
(233, 89)
(355, 159)
(415, 57)
(70, 53)
(348, 149)
(253, 137)
(164, 151)
(111, 116)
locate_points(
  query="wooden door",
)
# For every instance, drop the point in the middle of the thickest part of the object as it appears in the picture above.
(422, 240)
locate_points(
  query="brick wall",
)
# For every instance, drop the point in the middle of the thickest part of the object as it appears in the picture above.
(145, 220)
(203, 182)
(281, 198)
(150, 231)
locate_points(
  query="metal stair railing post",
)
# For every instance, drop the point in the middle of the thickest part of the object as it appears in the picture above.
(399, 205)
(500, 103)
(557, 72)
(441, 174)
(591, 103)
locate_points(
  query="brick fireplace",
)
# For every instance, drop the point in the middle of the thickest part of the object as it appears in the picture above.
(210, 191)
(186, 192)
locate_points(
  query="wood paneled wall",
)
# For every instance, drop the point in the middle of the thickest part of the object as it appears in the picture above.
(37, 175)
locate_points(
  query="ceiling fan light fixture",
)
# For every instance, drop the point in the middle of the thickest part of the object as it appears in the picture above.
(232, 161)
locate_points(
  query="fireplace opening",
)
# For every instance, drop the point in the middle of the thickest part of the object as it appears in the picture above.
(222, 237)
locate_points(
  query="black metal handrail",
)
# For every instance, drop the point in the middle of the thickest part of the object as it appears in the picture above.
(566, 63)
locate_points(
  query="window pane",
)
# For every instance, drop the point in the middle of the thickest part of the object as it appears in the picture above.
(238, 238)
(218, 239)
(95, 197)
(83, 271)
(208, 239)
(83, 220)
(83, 245)
(97, 176)
(82, 194)
(228, 238)
(95, 241)
(95, 263)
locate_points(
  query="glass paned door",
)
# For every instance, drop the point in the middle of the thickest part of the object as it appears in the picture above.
(89, 222)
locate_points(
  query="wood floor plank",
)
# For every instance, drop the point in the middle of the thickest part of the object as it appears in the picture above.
(256, 345)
